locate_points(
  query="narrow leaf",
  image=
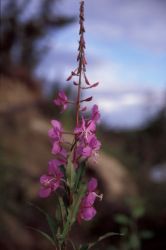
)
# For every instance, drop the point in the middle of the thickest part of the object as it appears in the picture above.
(134, 241)
(146, 234)
(101, 238)
(81, 193)
(84, 247)
(45, 235)
(138, 212)
(122, 219)
(79, 174)
(52, 225)
(72, 244)
(70, 172)
(38, 208)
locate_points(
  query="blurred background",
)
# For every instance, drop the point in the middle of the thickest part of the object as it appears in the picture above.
(126, 52)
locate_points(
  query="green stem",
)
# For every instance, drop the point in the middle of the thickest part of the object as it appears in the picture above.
(72, 214)
(79, 90)
(72, 244)
(61, 210)
(66, 227)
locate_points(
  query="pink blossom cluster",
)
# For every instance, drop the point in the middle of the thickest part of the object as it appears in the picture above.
(55, 133)
(51, 181)
(87, 210)
(85, 144)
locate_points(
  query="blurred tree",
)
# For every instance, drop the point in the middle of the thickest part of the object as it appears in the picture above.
(23, 24)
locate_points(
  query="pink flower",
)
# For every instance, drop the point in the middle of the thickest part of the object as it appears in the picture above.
(95, 113)
(92, 185)
(56, 132)
(87, 143)
(93, 145)
(86, 148)
(86, 129)
(61, 100)
(87, 211)
(52, 180)
(56, 148)
(60, 153)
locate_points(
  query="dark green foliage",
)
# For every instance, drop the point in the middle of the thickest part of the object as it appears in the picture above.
(133, 235)
(21, 31)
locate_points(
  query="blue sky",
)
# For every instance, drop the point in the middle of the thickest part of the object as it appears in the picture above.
(126, 52)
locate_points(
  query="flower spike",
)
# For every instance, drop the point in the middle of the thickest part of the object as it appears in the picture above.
(66, 172)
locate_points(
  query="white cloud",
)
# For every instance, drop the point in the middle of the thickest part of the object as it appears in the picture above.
(141, 22)
(130, 109)
(130, 90)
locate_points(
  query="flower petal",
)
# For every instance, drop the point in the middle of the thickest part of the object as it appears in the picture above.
(44, 192)
(88, 213)
(52, 166)
(56, 148)
(92, 185)
(89, 199)
(56, 124)
(44, 179)
(87, 151)
(95, 113)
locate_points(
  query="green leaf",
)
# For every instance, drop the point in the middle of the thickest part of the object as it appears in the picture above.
(134, 241)
(72, 211)
(124, 230)
(146, 234)
(122, 219)
(138, 212)
(79, 174)
(72, 244)
(66, 227)
(78, 198)
(53, 225)
(45, 235)
(67, 197)
(112, 248)
(62, 209)
(51, 222)
(63, 170)
(101, 238)
(70, 173)
(84, 247)
(37, 208)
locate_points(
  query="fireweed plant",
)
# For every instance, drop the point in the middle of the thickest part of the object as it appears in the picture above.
(66, 172)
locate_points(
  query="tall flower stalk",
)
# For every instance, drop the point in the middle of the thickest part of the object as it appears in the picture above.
(65, 177)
